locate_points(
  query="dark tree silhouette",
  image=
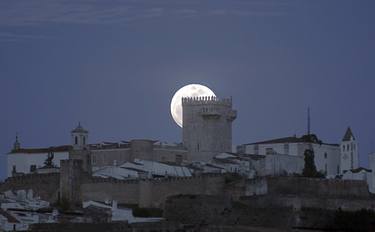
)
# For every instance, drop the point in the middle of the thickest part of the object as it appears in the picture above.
(309, 169)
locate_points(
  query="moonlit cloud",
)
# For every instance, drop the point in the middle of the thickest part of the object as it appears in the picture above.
(11, 37)
(38, 12)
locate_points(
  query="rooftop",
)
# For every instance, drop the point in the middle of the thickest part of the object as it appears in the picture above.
(63, 148)
(348, 135)
(312, 138)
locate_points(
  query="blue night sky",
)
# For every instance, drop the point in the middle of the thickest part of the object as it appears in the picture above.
(114, 65)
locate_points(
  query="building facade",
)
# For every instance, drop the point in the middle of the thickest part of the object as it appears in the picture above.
(326, 156)
(28, 160)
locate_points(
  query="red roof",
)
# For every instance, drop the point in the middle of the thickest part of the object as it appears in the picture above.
(64, 148)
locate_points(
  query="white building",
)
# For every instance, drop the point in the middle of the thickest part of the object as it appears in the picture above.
(120, 214)
(27, 160)
(371, 175)
(282, 151)
(19, 209)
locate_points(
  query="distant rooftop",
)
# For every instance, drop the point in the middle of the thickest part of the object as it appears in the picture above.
(312, 138)
(63, 148)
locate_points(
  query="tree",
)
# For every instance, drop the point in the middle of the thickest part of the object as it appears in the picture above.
(309, 169)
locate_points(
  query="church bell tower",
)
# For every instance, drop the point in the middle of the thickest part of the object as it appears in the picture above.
(349, 152)
(79, 137)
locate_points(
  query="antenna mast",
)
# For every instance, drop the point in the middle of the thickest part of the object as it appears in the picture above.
(308, 121)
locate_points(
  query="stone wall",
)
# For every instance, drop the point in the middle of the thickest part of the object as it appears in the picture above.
(317, 187)
(100, 189)
(44, 185)
(154, 193)
(150, 193)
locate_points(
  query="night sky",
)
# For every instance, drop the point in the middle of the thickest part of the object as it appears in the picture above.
(115, 65)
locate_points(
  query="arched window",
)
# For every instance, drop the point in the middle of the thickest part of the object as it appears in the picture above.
(76, 140)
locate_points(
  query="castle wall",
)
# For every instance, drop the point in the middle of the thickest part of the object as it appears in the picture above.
(99, 189)
(71, 178)
(150, 193)
(317, 187)
(154, 193)
(44, 185)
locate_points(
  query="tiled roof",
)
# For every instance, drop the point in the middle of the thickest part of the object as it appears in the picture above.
(294, 139)
(64, 148)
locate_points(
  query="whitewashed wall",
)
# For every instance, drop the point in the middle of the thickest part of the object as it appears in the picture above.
(23, 161)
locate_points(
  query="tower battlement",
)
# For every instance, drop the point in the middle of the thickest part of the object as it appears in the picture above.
(206, 100)
(207, 126)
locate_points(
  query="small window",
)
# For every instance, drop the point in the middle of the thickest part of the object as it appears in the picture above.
(256, 149)
(269, 151)
(76, 140)
(93, 159)
(84, 140)
(325, 155)
(286, 149)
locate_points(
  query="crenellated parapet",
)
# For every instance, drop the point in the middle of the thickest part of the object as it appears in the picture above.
(206, 100)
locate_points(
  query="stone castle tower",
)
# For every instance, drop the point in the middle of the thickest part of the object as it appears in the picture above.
(207, 126)
(349, 152)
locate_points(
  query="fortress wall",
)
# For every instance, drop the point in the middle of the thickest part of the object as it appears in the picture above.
(44, 185)
(124, 192)
(154, 193)
(317, 187)
(298, 203)
(150, 193)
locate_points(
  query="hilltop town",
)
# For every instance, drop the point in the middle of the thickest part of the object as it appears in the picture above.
(199, 184)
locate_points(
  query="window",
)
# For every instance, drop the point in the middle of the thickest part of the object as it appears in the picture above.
(198, 147)
(84, 140)
(32, 168)
(256, 149)
(76, 140)
(286, 149)
(94, 159)
(351, 160)
(269, 151)
(325, 155)
(325, 168)
(338, 169)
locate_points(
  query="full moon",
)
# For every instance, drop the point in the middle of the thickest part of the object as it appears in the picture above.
(192, 90)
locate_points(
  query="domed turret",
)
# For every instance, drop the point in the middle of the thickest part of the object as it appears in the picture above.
(79, 137)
